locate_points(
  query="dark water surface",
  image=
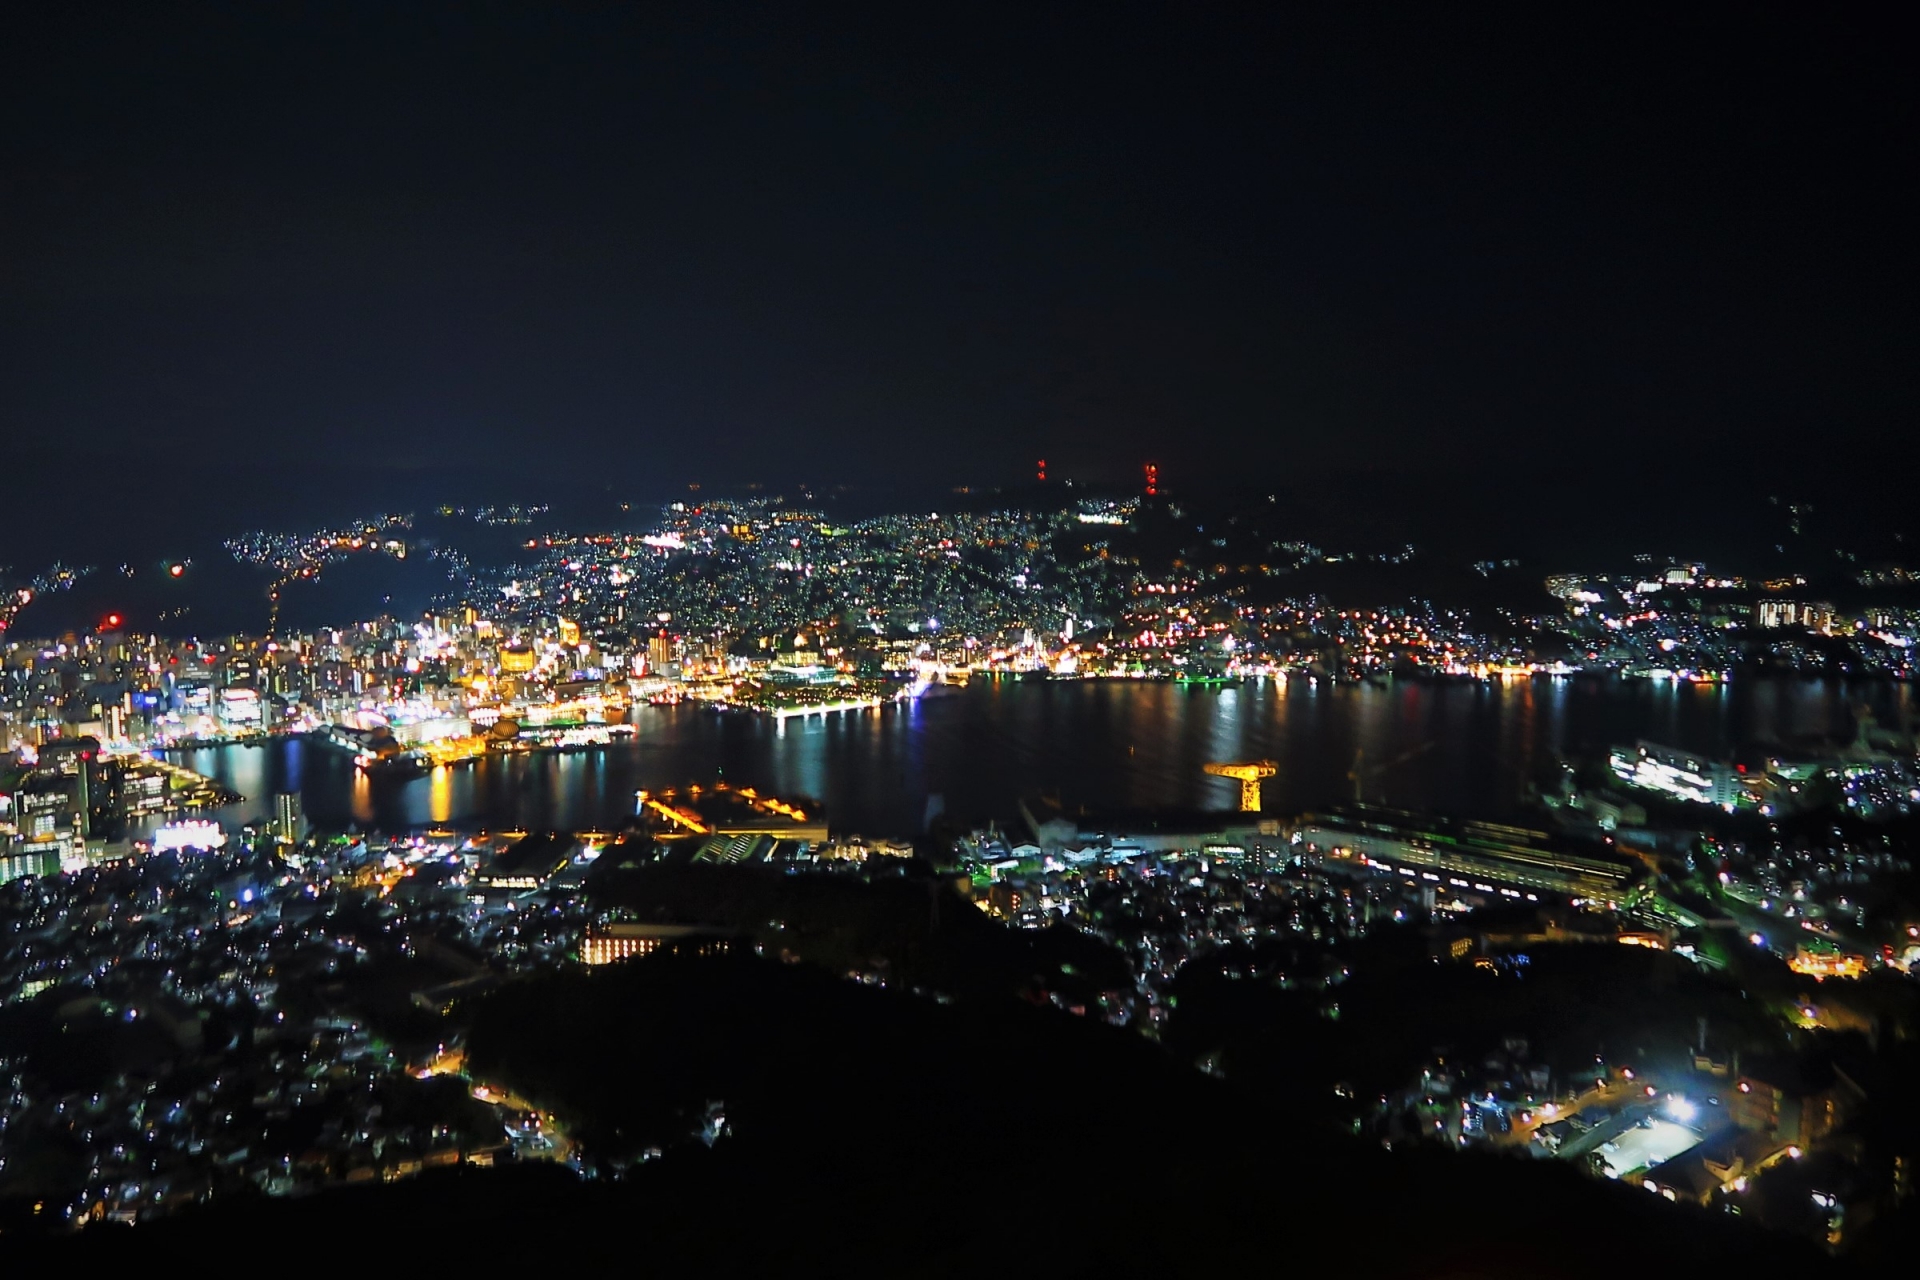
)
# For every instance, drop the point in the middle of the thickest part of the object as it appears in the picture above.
(1102, 744)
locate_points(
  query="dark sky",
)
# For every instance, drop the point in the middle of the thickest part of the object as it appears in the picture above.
(643, 245)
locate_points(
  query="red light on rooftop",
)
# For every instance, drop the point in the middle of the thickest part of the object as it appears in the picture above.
(1042, 468)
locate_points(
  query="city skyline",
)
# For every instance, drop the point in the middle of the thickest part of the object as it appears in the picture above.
(1063, 639)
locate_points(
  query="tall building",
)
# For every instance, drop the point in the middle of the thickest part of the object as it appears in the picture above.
(76, 768)
(24, 860)
(1813, 615)
(49, 828)
(289, 824)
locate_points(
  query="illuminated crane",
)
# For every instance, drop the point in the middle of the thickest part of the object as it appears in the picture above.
(1249, 774)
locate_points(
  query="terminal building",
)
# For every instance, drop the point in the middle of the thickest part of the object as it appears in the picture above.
(1682, 775)
(1487, 858)
(529, 864)
(1230, 836)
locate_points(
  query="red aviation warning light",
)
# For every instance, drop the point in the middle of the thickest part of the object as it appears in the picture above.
(177, 570)
(111, 622)
(1153, 480)
(1042, 468)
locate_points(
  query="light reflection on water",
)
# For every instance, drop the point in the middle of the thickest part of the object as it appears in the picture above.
(1101, 744)
(440, 794)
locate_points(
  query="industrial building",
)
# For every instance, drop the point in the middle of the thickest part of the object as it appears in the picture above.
(1682, 775)
(1231, 835)
(1482, 857)
(529, 864)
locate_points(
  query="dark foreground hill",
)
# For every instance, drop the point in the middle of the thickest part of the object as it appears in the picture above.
(875, 1132)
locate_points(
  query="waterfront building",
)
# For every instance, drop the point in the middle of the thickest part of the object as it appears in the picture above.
(1683, 775)
(1479, 857)
(528, 864)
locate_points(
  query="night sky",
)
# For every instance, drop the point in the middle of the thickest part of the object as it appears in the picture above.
(526, 247)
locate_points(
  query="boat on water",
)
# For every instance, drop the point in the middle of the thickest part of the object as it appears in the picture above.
(404, 764)
(375, 751)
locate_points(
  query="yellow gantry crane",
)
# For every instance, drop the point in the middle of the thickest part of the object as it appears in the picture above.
(1249, 774)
